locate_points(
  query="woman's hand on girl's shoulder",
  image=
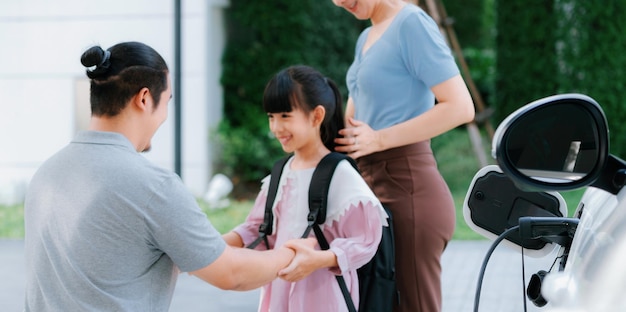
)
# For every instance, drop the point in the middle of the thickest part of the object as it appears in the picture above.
(358, 139)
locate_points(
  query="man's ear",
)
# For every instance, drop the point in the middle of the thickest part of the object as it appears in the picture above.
(318, 115)
(143, 99)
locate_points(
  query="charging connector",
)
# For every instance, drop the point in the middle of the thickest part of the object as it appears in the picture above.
(550, 229)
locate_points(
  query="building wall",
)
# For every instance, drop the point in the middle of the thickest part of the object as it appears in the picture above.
(44, 90)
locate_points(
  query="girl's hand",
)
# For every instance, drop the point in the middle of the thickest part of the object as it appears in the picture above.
(305, 261)
(359, 139)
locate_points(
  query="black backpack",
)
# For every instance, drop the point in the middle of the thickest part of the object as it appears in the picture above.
(377, 278)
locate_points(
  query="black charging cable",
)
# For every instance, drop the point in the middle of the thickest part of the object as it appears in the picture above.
(486, 260)
(550, 229)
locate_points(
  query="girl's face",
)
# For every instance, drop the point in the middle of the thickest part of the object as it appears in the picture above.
(294, 130)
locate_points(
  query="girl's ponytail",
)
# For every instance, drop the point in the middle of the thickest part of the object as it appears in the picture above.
(335, 123)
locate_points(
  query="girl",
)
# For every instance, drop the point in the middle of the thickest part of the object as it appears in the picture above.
(305, 115)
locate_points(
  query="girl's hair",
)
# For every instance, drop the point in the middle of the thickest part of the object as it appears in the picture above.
(118, 73)
(302, 87)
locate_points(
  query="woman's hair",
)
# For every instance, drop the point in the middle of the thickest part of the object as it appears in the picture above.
(117, 74)
(302, 87)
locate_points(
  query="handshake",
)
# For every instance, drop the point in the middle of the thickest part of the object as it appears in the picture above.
(306, 260)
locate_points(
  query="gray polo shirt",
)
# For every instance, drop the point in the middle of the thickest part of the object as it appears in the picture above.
(106, 230)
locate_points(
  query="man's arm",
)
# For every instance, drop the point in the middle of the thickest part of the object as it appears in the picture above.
(245, 269)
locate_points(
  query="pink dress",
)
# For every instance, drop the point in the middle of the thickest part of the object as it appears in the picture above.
(353, 229)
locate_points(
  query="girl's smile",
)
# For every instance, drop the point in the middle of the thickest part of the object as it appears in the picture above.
(293, 130)
(283, 139)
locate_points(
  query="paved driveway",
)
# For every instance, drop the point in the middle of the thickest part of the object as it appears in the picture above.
(502, 289)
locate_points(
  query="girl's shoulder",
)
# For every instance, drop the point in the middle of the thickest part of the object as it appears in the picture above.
(346, 179)
(345, 167)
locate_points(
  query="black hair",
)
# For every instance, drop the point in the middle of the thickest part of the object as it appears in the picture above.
(303, 87)
(118, 73)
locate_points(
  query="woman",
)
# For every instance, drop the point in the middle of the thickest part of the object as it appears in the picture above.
(402, 65)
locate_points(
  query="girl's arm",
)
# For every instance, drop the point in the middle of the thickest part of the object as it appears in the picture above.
(306, 261)
(357, 236)
(248, 231)
(233, 239)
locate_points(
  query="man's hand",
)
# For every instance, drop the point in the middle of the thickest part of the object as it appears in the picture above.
(306, 260)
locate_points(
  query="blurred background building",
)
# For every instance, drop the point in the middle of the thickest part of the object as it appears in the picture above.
(44, 93)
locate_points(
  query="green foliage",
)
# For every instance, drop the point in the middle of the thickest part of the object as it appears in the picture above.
(12, 221)
(473, 22)
(264, 37)
(562, 46)
(526, 63)
(456, 158)
(246, 155)
(227, 218)
(590, 47)
(482, 66)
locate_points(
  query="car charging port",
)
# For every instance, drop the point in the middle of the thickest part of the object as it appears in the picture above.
(550, 229)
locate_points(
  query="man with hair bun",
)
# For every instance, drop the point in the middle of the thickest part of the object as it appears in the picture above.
(105, 229)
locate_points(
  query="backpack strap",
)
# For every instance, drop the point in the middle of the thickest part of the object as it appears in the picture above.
(342, 282)
(318, 200)
(318, 189)
(265, 228)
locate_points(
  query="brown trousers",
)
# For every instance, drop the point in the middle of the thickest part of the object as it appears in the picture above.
(407, 181)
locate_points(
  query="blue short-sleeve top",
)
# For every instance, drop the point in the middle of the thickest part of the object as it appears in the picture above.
(390, 83)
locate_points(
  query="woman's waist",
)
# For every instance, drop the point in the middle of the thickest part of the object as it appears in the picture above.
(419, 148)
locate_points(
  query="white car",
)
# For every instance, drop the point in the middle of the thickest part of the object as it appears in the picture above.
(554, 144)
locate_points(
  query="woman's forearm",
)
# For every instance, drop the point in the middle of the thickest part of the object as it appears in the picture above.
(455, 108)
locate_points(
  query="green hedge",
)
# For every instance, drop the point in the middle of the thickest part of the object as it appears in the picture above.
(526, 64)
(591, 44)
(475, 30)
(546, 47)
(263, 37)
(473, 22)
(542, 47)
